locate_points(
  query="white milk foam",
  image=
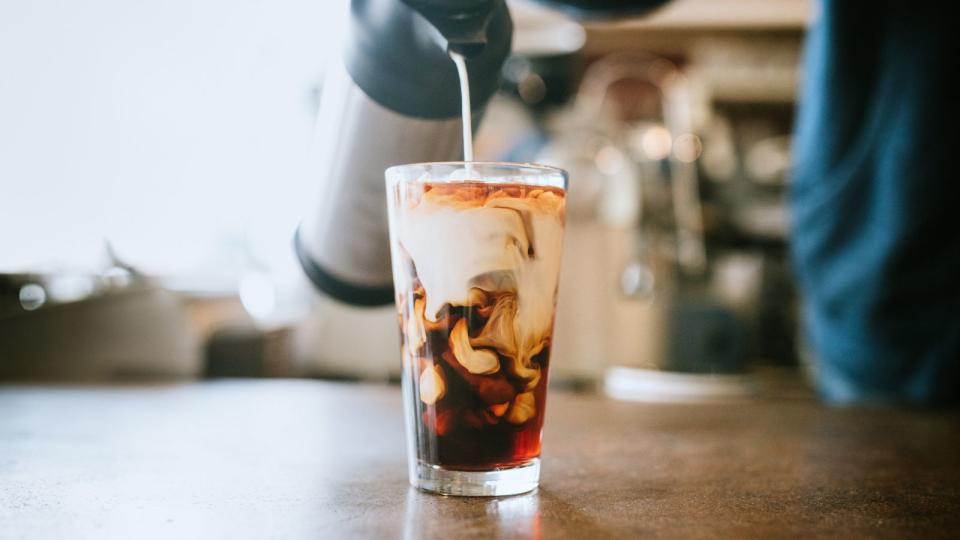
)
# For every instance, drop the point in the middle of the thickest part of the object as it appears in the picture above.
(499, 245)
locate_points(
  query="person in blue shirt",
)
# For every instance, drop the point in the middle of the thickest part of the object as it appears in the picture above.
(876, 202)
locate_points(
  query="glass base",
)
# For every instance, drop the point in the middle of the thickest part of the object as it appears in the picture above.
(498, 482)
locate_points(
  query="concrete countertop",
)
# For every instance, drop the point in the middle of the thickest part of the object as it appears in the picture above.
(288, 459)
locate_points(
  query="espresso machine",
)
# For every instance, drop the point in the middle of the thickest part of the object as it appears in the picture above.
(394, 98)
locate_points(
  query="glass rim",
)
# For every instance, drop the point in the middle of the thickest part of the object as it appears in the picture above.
(536, 168)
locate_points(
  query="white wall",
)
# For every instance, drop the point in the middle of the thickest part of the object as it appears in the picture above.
(178, 129)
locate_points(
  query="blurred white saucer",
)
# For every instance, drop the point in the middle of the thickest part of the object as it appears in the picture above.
(656, 386)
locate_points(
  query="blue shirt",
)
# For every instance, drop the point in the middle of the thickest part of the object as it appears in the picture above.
(876, 202)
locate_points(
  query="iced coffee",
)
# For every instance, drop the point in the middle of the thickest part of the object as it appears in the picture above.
(476, 255)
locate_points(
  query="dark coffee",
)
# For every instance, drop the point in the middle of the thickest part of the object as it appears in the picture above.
(481, 263)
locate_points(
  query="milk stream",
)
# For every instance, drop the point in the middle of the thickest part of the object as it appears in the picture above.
(461, 63)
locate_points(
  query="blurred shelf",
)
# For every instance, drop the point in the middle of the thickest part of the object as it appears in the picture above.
(721, 14)
(682, 24)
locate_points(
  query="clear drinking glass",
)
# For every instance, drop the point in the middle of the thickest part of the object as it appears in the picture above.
(476, 258)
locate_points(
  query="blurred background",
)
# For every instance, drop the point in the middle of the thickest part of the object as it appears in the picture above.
(155, 160)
